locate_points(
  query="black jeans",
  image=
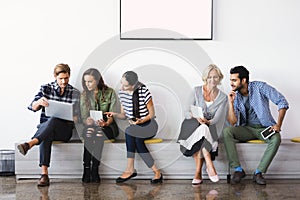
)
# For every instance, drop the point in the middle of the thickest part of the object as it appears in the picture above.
(94, 137)
(53, 129)
(135, 140)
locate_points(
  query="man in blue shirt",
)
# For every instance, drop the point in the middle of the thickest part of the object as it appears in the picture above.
(249, 113)
(51, 128)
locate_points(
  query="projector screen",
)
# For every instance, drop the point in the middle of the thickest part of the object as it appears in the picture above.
(166, 19)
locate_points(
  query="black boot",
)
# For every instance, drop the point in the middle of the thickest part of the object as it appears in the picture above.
(86, 177)
(95, 175)
(87, 157)
(95, 170)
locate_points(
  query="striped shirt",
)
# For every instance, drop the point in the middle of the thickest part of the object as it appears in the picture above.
(51, 91)
(127, 103)
(260, 93)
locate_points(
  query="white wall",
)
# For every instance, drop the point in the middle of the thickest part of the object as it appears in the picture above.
(36, 35)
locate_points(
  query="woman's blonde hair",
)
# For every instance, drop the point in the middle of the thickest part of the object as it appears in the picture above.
(208, 69)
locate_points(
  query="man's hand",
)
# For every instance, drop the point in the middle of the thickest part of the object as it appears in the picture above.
(43, 102)
(231, 96)
(276, 128)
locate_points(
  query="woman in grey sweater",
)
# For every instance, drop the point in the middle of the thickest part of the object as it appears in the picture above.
(199, 135)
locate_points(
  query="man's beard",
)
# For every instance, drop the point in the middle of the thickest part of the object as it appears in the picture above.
(238, 88)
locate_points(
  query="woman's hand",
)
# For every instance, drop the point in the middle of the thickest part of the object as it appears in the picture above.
(110, 114)
(137, 121)
(101, 123)
(203, 121)
(116, 115)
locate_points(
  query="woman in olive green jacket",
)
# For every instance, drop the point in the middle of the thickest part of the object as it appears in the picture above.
(97, 96)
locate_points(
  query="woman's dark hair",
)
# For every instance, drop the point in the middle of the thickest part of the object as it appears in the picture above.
(242, 71)
(100, 84)
(97, 76)
(131, 77)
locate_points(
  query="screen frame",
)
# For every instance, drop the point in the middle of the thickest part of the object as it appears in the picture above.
(123, 36)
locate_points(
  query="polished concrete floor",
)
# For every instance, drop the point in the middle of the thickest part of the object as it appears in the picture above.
(142, 189)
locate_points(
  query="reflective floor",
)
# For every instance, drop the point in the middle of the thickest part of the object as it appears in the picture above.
(142, 189)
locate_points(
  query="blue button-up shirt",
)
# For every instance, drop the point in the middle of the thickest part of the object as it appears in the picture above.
(52, 91)
(259, 95)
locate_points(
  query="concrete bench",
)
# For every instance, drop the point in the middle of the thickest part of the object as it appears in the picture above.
(66, 161)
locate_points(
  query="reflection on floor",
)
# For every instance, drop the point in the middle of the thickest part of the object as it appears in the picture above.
(142, 189)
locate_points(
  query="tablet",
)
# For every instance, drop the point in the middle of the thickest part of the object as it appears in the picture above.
(266, 133)
(58, 109)
(96, 115)
(196, 111)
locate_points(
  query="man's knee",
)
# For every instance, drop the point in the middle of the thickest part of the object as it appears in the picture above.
(276, 139)
(227, 133)
(52, 121)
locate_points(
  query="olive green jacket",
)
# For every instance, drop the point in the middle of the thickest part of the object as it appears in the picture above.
(106, 103)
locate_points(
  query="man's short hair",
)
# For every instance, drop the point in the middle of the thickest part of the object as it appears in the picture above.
(242, 71)
(61, 68)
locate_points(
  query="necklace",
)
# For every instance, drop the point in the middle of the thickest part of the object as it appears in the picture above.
(210, 95)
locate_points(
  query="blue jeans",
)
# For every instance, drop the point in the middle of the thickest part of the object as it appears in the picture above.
(135, 140)
(53, 129)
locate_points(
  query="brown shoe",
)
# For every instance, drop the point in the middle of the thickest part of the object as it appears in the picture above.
(44, 180)
(23, 148)
(237, 176)
(259, 179)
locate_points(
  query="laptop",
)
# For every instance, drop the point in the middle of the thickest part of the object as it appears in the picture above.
(61, 110)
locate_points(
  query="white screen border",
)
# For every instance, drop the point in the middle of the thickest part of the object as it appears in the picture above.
(166, 19)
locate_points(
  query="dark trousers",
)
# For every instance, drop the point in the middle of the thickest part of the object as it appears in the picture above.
(53, 129)
(93, 146)
(135, 140)
(88, 158)
(94, 137)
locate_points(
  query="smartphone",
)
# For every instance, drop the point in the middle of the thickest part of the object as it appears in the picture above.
(267, 133)
(133, 119)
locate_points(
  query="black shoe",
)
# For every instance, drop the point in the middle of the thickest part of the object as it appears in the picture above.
(44, 181)
(86, 177)
(122, 180)
(259, 179)
(237, 176)
(156, 181)
(23, 148)
(95, 175)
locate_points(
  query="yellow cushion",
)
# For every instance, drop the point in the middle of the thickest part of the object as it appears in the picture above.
(57, 142)
(256, 141)
(153, 140)
(295, 139)
(109, 141)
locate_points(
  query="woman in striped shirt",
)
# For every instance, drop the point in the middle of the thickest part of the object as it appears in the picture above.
(137, 106)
